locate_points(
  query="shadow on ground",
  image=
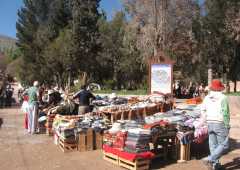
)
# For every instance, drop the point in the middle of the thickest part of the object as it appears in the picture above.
(198, 151)
(234, 165)
(234, 144)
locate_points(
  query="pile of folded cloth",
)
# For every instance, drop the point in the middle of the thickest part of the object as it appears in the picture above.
(137, 140)
(132, 124)
(119, 141)
(185, 137)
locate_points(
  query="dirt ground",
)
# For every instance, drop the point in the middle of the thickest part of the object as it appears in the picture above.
(21, 151)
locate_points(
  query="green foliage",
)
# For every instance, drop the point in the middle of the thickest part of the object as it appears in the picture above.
(62, 38)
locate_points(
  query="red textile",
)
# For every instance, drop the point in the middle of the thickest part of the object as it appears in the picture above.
(160, 123)
(134, 156)
(109, 149)
(126, 155)
(26, 121)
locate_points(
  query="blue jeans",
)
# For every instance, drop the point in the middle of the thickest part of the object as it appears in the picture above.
(218, 141)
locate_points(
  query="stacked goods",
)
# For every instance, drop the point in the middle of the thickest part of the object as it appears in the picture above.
(133, 100)
(64, 129)
(137, 141)
(135, 108)
(79, 132)
(129, 136)
(127, 145)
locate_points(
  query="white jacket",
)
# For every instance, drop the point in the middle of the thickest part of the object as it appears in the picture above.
(212, 107)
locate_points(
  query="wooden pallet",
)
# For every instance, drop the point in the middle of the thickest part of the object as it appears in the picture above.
(111, 158)
(185, 153)
(65, 147)
(138, 164)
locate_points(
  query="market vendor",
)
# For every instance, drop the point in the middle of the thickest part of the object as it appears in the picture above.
(215, 109)
(84, 96)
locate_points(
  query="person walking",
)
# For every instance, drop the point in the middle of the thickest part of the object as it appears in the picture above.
(84, 96)
(33, 108)
(215, 109)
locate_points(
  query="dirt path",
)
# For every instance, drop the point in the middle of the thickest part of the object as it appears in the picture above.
(21, 151)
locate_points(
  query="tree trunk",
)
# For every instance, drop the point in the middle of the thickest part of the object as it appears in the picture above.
(209, 71)
(235, 85)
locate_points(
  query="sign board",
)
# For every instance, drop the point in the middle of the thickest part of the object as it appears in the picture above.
(161, 78)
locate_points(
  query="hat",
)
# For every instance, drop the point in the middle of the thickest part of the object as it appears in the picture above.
(217, 85)
(50, 92)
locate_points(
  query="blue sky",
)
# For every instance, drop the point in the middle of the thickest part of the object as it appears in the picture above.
(9, 8)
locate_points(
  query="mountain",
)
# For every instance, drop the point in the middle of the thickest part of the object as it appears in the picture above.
(7, 43)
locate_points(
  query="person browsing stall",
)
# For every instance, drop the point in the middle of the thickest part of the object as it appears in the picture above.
(84, 96)
(215, 110)
(33, 108)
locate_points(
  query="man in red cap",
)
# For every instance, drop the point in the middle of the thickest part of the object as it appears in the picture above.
(215, 110)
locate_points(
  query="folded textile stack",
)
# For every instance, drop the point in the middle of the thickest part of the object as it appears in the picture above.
(120, 139)
(137, 140)
(116, 127)
(185, 138)
(108, 138)
(133, 124)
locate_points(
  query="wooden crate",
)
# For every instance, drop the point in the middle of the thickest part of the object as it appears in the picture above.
(90, 139)
(111, 158)
(98, 140)
(138, 164)
(82, 142)
(66, 147)
(86, 141)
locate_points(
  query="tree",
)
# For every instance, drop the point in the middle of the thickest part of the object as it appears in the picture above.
(159, 21)
(120, 59)
(85, 42)
(31, 17)
(58, 58)
(233, 32)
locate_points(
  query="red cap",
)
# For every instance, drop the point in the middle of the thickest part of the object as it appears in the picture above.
(217, 85)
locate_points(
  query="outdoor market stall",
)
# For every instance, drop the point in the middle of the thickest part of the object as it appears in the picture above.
(133, 141)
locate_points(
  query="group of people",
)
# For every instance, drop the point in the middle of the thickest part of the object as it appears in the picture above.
(190, 91)
(6, 95)
(40, 102)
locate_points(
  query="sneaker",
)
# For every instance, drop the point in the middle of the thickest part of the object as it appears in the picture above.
(218, 167)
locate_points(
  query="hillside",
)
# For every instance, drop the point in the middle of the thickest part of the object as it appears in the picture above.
(6, 43)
